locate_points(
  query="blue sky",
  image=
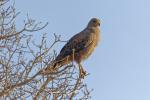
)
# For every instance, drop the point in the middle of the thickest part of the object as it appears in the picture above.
(120, 66)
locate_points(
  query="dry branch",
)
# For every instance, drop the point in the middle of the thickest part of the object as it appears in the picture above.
(22, 60)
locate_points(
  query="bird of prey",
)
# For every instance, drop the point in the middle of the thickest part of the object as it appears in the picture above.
(79, 47)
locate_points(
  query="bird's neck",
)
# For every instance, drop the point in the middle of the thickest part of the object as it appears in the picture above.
(93, 29)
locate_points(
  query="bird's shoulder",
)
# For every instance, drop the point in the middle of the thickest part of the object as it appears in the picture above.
(73, 42)
(78, 42)
(77, 39)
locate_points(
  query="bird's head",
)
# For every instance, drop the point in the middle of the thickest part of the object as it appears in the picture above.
(94, 22)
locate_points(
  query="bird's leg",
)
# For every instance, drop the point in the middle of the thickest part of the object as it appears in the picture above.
(73, 54)
(82, 71)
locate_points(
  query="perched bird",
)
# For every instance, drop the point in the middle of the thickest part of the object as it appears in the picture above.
(79, 47)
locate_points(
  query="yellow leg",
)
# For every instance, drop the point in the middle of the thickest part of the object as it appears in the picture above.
(82, 71)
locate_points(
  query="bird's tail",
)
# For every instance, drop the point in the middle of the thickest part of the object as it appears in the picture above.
(55, 65)
(51, 68)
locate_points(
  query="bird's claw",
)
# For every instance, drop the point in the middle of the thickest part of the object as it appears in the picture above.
(82, 73)
(47, 71)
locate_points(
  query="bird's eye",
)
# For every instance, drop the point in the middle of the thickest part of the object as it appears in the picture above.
(94, 21)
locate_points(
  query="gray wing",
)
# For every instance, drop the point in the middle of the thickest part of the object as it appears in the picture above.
(78, 42)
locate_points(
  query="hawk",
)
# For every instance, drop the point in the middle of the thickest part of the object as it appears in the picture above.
(79, 47)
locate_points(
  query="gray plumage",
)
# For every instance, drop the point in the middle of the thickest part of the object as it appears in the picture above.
(80, 46)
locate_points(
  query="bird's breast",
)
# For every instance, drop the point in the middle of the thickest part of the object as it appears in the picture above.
(95, 37)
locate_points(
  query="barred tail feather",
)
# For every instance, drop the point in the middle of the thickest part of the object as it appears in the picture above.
(50, 69)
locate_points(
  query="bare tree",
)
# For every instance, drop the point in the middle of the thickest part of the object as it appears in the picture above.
(22, 59)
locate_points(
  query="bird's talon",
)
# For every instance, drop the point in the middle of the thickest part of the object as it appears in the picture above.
(83, 74)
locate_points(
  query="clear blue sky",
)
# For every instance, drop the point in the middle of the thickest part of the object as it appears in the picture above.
(120, 65)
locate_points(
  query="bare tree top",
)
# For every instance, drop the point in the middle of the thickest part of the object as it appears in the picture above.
(22, 59)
